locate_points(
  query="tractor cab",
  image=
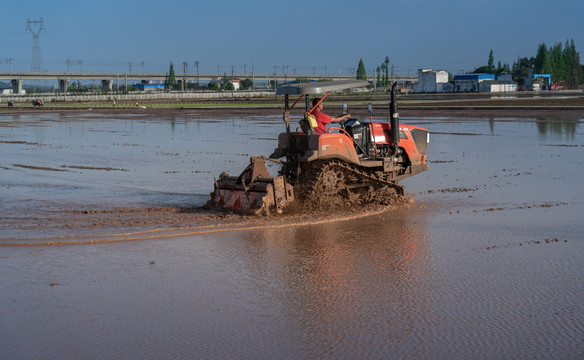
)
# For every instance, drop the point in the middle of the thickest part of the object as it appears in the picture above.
(362, 142)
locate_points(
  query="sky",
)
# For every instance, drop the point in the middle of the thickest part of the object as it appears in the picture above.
(295, 37)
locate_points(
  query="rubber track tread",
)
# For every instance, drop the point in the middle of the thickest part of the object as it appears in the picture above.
(315, 169)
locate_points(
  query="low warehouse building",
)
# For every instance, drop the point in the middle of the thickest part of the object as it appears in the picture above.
(470, 82)
(430, 81)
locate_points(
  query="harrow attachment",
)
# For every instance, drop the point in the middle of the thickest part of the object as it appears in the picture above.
(255, 191)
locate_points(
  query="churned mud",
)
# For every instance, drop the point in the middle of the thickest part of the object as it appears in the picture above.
(87, 226)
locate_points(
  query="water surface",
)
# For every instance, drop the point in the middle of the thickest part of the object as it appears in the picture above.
(486, 264)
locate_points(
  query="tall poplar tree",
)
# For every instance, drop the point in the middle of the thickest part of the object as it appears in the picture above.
(491, 62)
(171, 80)
(386, 68)
(573, 66)
(361, 72)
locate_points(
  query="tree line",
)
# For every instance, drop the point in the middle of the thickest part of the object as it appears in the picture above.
(382, 72)
(226, 84)
(561, 62)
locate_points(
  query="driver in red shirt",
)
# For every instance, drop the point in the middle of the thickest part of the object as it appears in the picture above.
(323, 119)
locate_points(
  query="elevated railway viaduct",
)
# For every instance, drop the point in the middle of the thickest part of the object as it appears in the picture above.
(108, 80)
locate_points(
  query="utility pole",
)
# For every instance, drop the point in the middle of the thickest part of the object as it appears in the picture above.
(275, 69)
(197, 66)
(185, 66)
(130, 66)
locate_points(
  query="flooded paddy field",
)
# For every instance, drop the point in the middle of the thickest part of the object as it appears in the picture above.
(106, 253)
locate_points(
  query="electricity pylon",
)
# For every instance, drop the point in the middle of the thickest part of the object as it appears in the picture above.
(37, 59)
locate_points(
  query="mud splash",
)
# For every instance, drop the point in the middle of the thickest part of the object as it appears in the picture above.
(167, 223)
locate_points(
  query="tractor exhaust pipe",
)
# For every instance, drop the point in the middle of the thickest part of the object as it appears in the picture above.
(394, 115)
(394, 118)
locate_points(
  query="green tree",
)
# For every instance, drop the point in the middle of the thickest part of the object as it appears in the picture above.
(361, 72)
(226, 84)
(246, 84)
(521, 69)
(491, 62)
(386, 69)
(170, 83)
(541, 63)
(482, 70)
(573, 67)
(562, 63)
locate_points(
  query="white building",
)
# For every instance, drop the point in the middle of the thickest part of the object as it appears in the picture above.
(430, 81)
(497, 86)
(11, 92)
(504, 83)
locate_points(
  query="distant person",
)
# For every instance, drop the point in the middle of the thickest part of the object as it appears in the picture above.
(114, 102)
(323, 119)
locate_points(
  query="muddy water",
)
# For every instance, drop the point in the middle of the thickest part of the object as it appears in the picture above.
(486, 263)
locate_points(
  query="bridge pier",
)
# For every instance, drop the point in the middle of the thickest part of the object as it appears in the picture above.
(63, 85)
(107, 85)
(16, 86)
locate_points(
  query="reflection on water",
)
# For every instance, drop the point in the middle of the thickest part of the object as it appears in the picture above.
(341, 281)
(558, 127)
(485, 264)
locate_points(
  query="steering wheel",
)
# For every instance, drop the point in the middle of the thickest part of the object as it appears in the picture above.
(342, 122)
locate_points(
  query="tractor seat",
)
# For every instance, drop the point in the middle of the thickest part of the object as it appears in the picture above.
(306, 129)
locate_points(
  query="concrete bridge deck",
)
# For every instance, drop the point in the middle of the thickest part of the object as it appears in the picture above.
(109, 79)
(178, 76)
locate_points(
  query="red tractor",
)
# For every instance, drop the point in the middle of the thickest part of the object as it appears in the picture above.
(358, 162)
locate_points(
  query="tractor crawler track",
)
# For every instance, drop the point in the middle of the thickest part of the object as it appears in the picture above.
(336, 183)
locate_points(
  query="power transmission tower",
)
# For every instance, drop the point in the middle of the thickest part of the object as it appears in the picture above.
(37, 60)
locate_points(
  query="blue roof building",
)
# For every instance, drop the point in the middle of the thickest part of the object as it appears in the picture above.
(470, 82)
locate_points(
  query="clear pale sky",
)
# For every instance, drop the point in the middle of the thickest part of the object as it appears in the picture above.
(302, 36)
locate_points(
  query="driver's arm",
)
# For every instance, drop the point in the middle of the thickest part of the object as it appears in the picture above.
(340, 118)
